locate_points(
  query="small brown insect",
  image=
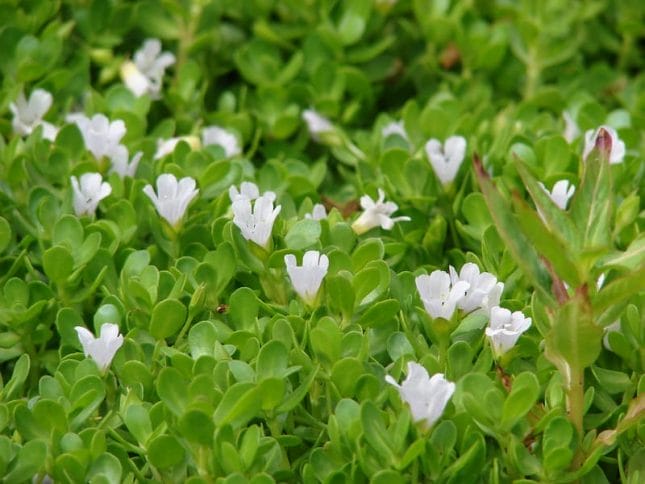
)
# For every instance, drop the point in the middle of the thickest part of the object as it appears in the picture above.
(222, 308)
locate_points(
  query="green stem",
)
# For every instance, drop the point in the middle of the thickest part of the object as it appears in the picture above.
(576, 407)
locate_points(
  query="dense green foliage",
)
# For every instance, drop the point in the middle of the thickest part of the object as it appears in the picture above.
(225, 374)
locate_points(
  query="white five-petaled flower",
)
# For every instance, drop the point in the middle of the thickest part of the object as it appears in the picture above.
(248, 191)
(172, 197)
(561, 192)
(307, 278)
(446, 159)
(167, 146)
(484, 291)
(376, 213)
(145, 74)
(88, 192)
(316, 123)
(214, 135)
(617, 152)
(102, 137)
(255, 221)
(427, 396)
(103, 348)
(120, 164)
(505, 328)
(395, 127)
(571, 129)
(317, 213)
(28, 115)
(439, 296)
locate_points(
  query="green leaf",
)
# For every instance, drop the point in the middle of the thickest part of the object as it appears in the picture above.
(197, 427)
(31, 459)
(524, 394)
(552, 248)
(353, 20)
(107, 467)
(173, 390)
(303, 234)
(340, 295)
(619, 290)
(591, 207)
(294, 399)
(574, 340)
(58, 263)
(376, 434)
(611, 381)
(381, 313)
(272, 361)
(68, 231)
(243, 309)
(633, 257)
(508, 227)
(5, 234)
(558, 220)
(240, 403)
(138, 422)
(368, 250)
(167, 318)
(14, 386)
(165, 451)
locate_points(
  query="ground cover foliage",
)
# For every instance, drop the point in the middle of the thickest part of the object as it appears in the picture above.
(506, 316)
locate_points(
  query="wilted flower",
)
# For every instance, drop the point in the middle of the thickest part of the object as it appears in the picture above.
(395, 127)
(427, 396)
(376, 213)
(505, 328)
(446, 159)
(214, 135)
(316, 123)
(101, 349)
(317, 213)
(88, 193)
(482, 287)
(145, 74)
(256, 223)
(561, 192)
(120, 164)
(439, 296)
(617, 152)
(307, 278)
(102, 137)
(172, 197)
(167, 146)
(571, 129)
(28, 115)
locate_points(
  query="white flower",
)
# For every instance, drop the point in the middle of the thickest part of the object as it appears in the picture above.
(172, 197)
(561, 192)
(89, 192)
(571, 129)
(617, 152)
(101, 137)
(101, 349)
(317, 213)
(394, 128)
(614, 327)
(145, 74)
(376, 213)
(248, 191)
(446, 159)
(28, 115)
(120, 164)
(483, 287)
(256, 223)
(307, 278)
(427, 396)
(167, 146)
(505, 328)
(316, 123)
(439, 296)
(214, 135)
